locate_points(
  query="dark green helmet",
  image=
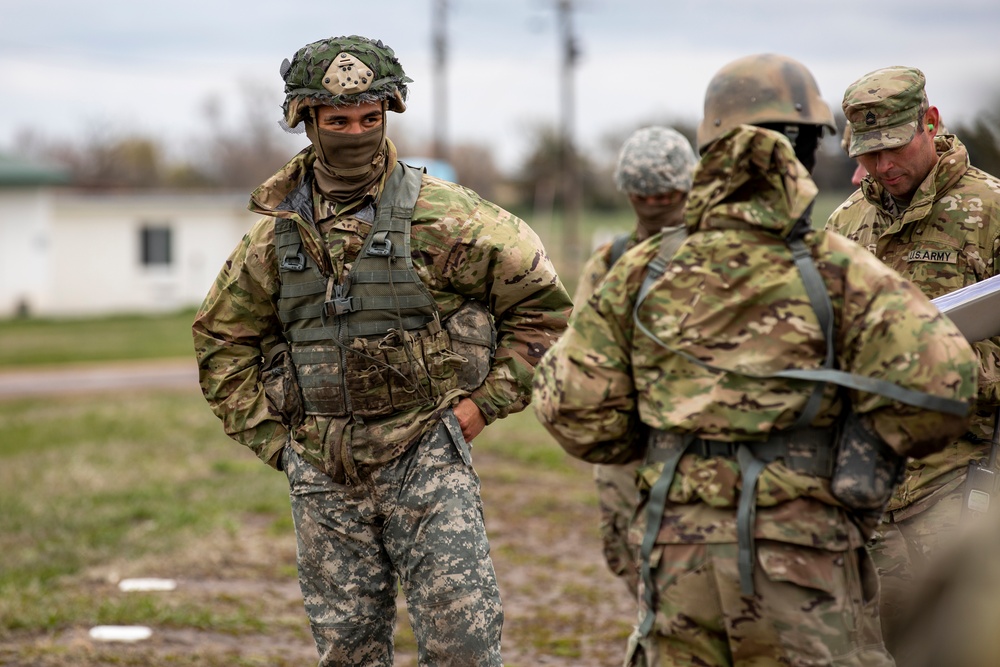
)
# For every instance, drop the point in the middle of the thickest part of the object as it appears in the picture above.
(339, 71)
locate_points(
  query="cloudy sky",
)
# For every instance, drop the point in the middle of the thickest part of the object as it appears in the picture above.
(69, 66)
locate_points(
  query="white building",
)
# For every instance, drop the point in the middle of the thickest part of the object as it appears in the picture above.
(64, 252)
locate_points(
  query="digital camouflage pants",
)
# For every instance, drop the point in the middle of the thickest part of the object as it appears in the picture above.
(417, 521)
(618, 496)
(903, 550)
(810, 608)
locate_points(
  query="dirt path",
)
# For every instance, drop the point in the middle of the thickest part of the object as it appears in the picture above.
(105, 376)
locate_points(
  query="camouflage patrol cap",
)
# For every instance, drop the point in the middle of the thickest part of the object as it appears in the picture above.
(655, 160)
(758, 89)
(339, 71)
(883, 108)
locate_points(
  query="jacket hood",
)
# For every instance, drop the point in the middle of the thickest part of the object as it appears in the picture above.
(751, 176)
(269, 196)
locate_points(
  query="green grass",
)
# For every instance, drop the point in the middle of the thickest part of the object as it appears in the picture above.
(32, 341)
(100, 487)
(116, 480)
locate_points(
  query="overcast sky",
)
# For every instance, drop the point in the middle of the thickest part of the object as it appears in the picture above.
(67, 66)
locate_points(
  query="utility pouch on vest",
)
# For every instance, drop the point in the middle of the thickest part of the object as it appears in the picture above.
(981, 479)
(980, 487)
(473, 336)
(281, 385)
(401, 371)
(866, 470)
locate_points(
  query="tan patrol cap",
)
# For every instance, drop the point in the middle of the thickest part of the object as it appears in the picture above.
(883, 108)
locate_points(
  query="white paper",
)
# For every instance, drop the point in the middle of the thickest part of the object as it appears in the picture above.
(975, 309)
(120, 633)
(147, 584)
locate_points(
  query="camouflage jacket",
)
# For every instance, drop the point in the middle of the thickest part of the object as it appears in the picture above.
(596, 267)
(462, 247)
(732, 296)
(948, 237)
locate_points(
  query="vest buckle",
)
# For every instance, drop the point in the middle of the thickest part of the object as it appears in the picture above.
(293, 263)
(340, 305)
(381, 245)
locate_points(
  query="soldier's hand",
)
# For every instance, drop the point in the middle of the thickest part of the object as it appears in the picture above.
(469, 418)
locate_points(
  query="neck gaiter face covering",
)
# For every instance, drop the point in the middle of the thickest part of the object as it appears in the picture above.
(347, 165)
(654, 217)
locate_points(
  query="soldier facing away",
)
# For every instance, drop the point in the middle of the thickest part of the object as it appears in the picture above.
(654, 170)
(365, 330)
(927, 213)
(771, 378)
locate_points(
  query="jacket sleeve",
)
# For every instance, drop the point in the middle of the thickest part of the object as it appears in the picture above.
(231, 329)
(502, 262)
(894, 333)
(592, 273)
(583, 390)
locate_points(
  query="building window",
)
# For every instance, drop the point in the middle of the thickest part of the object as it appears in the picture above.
(155, 245)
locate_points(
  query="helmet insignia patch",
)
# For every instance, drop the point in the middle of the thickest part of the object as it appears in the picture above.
(870, 118)
(347, 75)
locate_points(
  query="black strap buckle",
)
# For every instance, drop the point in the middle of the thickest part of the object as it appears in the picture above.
(293, 263)
(381, 245)
(341, 305)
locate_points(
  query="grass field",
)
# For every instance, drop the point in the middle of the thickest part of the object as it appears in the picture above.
(102, 487)
(99, 487)
(26, 342)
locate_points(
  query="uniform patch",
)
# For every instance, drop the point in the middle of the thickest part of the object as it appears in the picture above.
(941, 256)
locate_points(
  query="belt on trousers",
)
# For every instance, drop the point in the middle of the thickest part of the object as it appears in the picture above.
(806, 450)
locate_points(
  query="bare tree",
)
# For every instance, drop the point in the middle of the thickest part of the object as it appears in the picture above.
(476, 169)
(243, 154)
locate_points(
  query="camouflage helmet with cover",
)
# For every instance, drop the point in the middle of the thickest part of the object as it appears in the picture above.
(761, 89)
(653, 161)
(339, 71)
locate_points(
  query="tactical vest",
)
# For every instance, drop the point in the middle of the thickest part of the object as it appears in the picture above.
(373, 344)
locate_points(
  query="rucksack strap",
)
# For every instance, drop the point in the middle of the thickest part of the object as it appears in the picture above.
(618, 247)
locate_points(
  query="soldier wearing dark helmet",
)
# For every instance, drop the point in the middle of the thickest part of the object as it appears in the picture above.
(365, 330)
(770, 379)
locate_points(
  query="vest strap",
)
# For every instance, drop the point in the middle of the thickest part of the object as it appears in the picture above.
(655, 507)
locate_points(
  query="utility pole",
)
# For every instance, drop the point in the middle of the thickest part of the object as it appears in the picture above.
(439, 39)
(567, 149)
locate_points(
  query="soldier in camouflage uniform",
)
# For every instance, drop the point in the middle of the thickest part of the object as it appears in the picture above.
(934, 218)
(697, 355)
(654, 170)
(365, 330)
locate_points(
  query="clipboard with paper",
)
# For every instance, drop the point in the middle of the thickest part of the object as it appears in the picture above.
(975, 309)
